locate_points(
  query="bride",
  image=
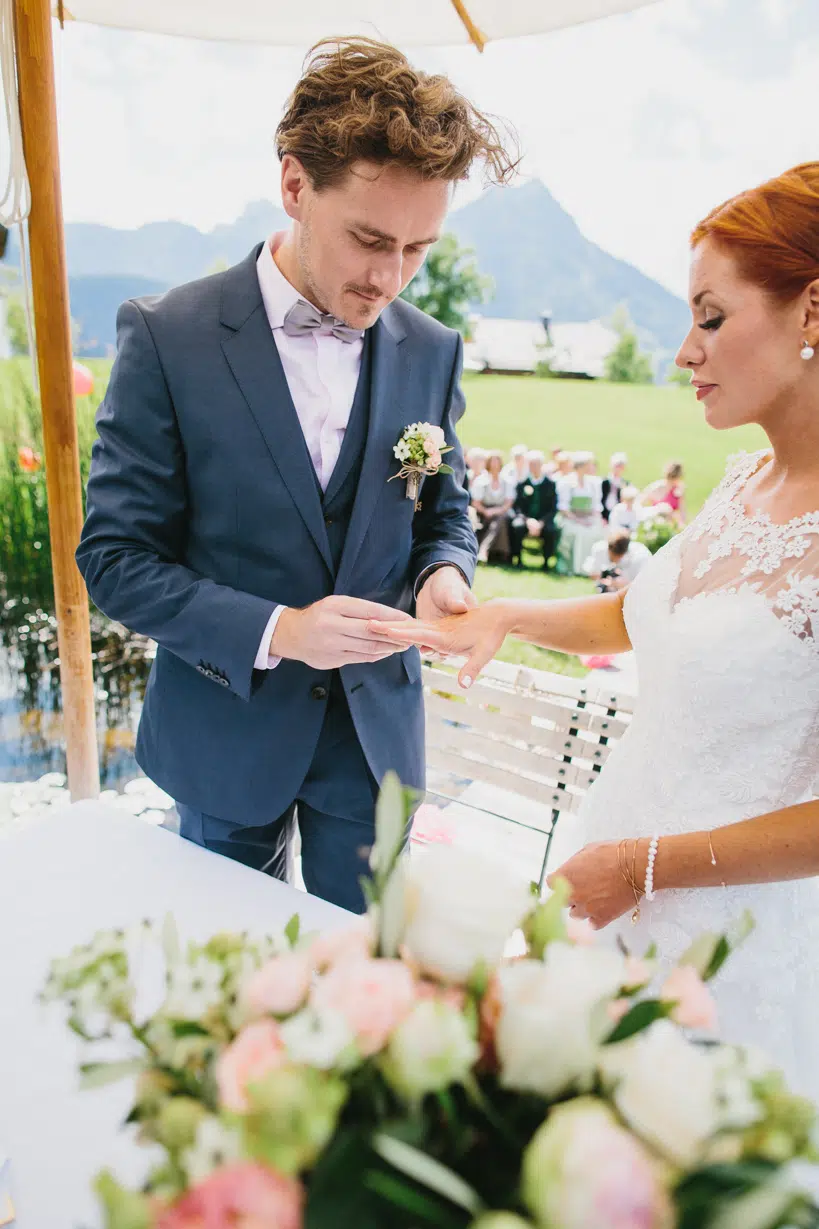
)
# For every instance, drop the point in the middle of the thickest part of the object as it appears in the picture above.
(713, 788)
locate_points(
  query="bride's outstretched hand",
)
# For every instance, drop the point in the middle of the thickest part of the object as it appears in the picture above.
(476, 635)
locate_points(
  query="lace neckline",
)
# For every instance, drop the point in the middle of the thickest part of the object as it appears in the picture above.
(750, 465)
(730, 529)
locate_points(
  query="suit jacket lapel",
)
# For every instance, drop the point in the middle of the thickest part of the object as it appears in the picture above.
(390, 383)
(254, 360)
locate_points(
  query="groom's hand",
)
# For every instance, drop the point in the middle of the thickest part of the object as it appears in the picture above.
(334, 632)
(444, 593)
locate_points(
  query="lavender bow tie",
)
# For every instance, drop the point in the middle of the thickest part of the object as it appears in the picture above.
(304, 318)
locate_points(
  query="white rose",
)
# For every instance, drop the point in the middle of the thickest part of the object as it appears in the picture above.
(319, 1038)
(553, 1018)
(461, 909)
(430, 1050)
(665, 1087)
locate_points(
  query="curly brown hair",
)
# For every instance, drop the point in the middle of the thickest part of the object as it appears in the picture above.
(359, 99)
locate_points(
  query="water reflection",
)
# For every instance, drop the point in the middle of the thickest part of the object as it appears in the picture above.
(31, 722)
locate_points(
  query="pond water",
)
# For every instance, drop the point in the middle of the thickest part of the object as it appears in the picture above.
(31, 720)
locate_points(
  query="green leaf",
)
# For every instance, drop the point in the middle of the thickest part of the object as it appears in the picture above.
(392, 913)
(97, 1075)
(719, 955)
(390, 826)
(547, 923)
(292, 930)
(445, 469)
(123, 1209)
(638, 1018)
(428, 1172)
(762, 1208)
(410, 1200)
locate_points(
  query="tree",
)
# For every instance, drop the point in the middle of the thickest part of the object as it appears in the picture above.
(16, 325)
(627, 364)
(447, 283)
(678, 375)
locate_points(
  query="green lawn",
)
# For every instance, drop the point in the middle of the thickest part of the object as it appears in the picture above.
(531, 582)
(652, 424)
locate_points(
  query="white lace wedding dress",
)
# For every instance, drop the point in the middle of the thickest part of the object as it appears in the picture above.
(725, 625)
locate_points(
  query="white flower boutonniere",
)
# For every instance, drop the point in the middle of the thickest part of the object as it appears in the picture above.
(420, 450)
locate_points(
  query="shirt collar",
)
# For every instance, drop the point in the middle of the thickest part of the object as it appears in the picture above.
(278, 295)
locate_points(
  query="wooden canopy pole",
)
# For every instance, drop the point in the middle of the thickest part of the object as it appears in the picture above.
(38, 116)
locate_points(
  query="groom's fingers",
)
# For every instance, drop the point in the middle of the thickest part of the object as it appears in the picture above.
(410, 633)
(359, 608)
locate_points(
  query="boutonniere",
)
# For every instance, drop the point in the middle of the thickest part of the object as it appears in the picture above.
(528, 490)
(420, 450)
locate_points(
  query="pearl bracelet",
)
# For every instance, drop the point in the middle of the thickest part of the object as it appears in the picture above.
(652, 855)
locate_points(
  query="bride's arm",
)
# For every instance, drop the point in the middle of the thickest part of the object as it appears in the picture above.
(568, 625)
(771, 848)
(571, 625)
(780, 845)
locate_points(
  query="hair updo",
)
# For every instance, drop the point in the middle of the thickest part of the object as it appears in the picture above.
(771, 232)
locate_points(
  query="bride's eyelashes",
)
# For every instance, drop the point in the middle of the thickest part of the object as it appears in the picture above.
(713, 323)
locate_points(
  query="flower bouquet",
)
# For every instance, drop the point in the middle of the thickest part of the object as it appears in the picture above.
(403, 1073)
(656, 528)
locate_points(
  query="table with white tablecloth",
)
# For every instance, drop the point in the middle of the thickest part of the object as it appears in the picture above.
(85, 868)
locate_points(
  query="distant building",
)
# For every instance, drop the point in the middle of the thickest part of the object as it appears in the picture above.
(516, 346)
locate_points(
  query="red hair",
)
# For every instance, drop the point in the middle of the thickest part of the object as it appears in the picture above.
(772, 232)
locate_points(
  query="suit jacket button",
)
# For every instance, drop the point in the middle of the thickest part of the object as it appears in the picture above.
(318, 692)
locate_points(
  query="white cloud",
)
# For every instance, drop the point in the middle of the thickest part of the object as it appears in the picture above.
(638, 124)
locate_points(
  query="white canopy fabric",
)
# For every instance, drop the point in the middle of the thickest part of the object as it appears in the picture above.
(300, 23)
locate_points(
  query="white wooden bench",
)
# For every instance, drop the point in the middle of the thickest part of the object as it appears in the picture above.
(521, 746)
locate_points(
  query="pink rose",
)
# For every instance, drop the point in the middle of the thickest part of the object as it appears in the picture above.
(257, 1050)
(638, 972)
(373, 996)
(356, 941)
(579, 931)
(436, 434)
(242, 1196)
(583, 1169)
(617, 1009)
(279, 987)
(453, 996)
(430, 446)
(695, 1007)
(435, 459)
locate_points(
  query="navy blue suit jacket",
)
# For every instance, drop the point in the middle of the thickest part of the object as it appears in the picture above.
(204, 514)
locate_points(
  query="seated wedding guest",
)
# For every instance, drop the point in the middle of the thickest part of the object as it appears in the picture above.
(615, 561)
(580, 503)
(613, 483)
(534, 512)
(475, 459)
(625, 514)
(562, 465)
(551, 465)
(492, 499)
(517, 469)
(670, 489)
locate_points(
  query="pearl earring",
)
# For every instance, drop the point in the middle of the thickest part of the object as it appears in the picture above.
(807, 351)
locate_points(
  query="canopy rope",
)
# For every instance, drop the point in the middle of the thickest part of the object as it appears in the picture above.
(15, 202)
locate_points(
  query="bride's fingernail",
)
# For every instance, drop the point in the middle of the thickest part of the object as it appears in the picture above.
(466, 681)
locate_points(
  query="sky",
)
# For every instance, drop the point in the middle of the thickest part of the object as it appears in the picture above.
(638, 124)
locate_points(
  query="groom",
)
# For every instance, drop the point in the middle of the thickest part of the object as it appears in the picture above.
(239, 504)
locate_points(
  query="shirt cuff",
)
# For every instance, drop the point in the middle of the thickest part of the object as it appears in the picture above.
(433, 567)
(264, 658)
